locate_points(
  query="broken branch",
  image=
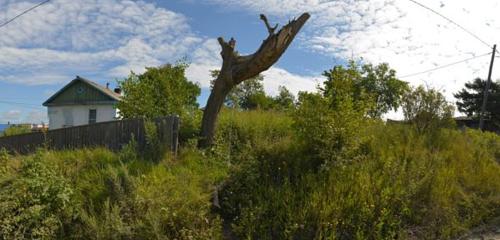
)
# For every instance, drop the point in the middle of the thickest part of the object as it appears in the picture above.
(268, 26)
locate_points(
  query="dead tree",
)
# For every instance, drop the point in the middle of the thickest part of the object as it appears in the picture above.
(236, 69)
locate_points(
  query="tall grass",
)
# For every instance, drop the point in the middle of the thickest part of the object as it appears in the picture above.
(402, 184)
(272, 183)
(97, 194)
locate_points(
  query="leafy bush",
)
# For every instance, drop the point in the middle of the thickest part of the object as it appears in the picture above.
(4, 158)
(427, 110)
(400, 184)
(162, 91)
(330, 128)
(322, 172)
(15, 130)
(97, 194)
(366, 83)
(37, 203)
(240, 133)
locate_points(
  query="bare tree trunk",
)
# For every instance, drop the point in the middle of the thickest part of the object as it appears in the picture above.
(236, 69)
(211, 112)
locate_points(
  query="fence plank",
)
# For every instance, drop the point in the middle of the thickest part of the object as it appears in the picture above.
(113, 135)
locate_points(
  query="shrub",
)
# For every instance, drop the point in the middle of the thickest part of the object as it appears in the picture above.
(4, 158)
(15, 130)
(97, 194)
(427, 110)
(325, 173)
(331, 128)
(37, 204)
(403, 186)
(241, 132)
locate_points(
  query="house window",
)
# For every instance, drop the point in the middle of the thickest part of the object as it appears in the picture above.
(92, 116)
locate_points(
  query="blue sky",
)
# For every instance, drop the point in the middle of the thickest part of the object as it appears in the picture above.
(104, 40)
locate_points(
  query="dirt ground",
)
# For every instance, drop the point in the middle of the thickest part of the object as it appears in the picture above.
(490, 231)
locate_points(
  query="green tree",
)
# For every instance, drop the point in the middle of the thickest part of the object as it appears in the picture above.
(285, 99)
(470, 99)
(247, 95)
(330, 122)
(367, 83)
(158, 92)
(16, 130)
(427, 109)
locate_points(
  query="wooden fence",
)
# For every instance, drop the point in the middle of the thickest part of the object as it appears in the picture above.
(113, 135)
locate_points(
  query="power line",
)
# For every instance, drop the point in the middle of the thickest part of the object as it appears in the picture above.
(453, 22)
(27, 105)
(26, 11)
(444, 66)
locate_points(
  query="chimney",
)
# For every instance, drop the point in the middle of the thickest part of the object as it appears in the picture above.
(118, 91)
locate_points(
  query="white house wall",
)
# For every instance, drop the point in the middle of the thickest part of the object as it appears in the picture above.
(77, 115)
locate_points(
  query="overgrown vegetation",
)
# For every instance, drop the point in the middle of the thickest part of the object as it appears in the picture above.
(97, 194)
(274, 183)
(162, 91)
(327, 167)
(250, 95)
(15, 130)
(398, 184)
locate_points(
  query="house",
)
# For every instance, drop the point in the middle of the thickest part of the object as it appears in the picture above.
(82, 102)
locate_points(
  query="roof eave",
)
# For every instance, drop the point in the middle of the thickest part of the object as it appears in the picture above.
(78, 78)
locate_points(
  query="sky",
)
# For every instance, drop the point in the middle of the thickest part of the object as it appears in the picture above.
(104, 40)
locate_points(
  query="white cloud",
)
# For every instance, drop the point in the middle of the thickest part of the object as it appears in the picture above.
(207, 58)
(408, 37)
(109, 38)
(10, 116)
(20, 116)
(36, 116)
(200, 73)
(276, 77)
(204, 59)
(90, 37)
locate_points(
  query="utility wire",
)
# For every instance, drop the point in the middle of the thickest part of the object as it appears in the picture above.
(26, 11)
(453, 22)
(27, 105)
(443, 66)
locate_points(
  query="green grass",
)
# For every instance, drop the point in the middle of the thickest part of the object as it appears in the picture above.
(405, 184)
(398, 184)
(108, 198)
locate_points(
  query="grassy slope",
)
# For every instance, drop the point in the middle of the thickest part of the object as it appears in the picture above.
(404, 185)
(400, 185)
(96, 194)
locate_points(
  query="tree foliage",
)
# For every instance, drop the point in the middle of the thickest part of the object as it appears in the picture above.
(158, 92)
(367, 83)
(329, 122)
(285, 100)
(398, 185)
(15, 130)
(427, 109)
(470, 99)
(247, 95)
(250, 95)
(37, 203)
